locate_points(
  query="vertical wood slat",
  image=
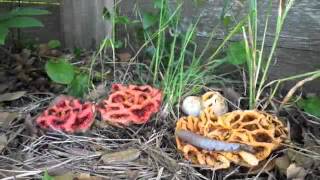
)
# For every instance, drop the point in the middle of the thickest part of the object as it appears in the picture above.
(82, 23)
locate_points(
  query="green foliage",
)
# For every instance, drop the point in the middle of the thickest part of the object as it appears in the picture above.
(60, 71)
(257, 66)
(19, 18)
(176, 66)
(77, 52)
(149, 19)
(46, 176)
(310, 105)
(79, 85)
(3, 34)
(54, 44)
(236, 53)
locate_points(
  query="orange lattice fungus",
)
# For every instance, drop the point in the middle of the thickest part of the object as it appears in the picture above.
(67, 114)
(130, 104)
(243, 137)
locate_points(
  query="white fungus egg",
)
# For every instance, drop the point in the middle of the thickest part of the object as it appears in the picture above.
(192, 106)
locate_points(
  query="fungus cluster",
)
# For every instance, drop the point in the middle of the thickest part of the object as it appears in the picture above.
(130, 104)
(67, 114)
(259, 130)
(125, 105)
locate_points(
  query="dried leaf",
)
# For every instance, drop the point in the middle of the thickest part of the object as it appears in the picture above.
(3, 141)
(124, 57)
(84, 176)
(263, 166)
(12, 96)
(133, 175)
(7, 117)
(3, 87)
(282, 164)
(67, 176)
(100, 91)
(301, 159)
(296, 172)
(231, 95)
(30, 125)
(122, 156)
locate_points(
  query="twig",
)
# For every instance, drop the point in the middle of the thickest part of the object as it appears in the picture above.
(295, 87)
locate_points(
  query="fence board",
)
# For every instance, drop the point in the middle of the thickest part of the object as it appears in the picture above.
(82, 22)
(299, 44)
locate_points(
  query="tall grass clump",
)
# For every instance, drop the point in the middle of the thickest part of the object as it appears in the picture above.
(177, 65)
(258, 67)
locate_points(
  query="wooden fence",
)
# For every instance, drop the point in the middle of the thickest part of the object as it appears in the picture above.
(76, 23)
(299, 44)
(79, 23)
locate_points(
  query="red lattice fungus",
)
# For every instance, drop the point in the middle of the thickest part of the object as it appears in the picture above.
(130, 104)
(67, 114)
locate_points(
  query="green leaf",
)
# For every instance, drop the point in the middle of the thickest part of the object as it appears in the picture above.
(22, 22)
(5, 16)
(148, 20)
(79, 85)
(77, 52)
(28, 12)
(118, 44)
(157, 3)
(226, 21)
(3, 34)
(54, 44)
(60, 71)
(121, 20)
(46, 176)
(106, 13)
(199, 3)
(236, 53)
(310, 105)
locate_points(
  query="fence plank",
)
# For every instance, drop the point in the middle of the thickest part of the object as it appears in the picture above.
(82, 22)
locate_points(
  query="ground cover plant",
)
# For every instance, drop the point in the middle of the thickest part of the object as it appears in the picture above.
(162, 54)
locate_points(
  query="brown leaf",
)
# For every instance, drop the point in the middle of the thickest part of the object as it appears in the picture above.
(7, 117)
(67, 176)
(301, 159)
(133, 175)
(25, 54)
(282, 164)
(84, 176)
(30, 125)
(121, 156)
(100, 91)
(3, 141)
(231, 95)
(3, 87)
(296, 172)
(43, 49)
(124, 57)
(12, 96)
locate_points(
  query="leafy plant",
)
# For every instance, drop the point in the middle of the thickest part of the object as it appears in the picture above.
(62, 72)
(310, 105)
(46, 176)
(236, 53)
(251, 54)
(19, 18)
(254, 54)
(54, 44)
